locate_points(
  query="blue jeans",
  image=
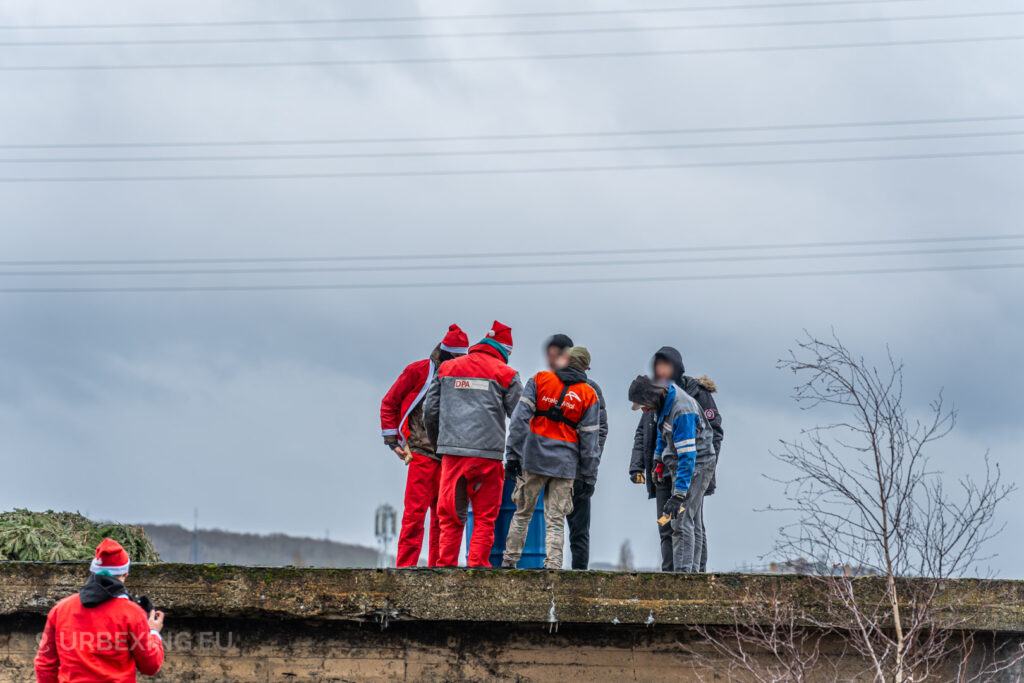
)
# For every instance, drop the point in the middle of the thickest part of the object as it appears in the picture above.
(688, 528)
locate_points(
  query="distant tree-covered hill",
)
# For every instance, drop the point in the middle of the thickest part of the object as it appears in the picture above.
(174, 544)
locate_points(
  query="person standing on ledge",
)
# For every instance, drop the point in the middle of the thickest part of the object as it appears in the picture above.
(99, 635)
(401, 421)
(464, 413)
(667, 367)
(684, 450)
(553, 441)
(582, 491)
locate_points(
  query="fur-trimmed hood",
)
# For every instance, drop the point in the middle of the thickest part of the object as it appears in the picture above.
(706, 382)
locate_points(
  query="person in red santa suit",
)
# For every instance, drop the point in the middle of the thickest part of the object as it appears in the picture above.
(401, 421)
(465, 412)
(100, 635)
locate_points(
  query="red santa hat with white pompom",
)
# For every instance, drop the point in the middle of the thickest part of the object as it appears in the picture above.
(455, 341)
(111, 558)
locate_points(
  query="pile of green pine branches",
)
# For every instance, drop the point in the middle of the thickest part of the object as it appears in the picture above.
(65, 536)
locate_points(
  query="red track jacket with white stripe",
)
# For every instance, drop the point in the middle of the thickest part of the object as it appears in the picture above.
(399, 416)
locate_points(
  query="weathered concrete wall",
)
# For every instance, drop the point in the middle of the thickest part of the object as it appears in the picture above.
(250, 651)
(249, 624)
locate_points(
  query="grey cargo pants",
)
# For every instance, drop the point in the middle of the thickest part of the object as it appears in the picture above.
(688, 528)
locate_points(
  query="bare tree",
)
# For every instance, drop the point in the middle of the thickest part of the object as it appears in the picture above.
(869, 503)
(773, 640)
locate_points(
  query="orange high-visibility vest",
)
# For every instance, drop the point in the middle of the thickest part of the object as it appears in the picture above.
(560, 407)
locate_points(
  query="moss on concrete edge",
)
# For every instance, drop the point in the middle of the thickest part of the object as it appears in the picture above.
(492, 596)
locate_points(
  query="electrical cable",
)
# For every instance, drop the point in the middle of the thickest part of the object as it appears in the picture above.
(524, 136)
(493, 266)
(565, 56)
(553, 253)
(511, 171)
(505, 283)
(499, 152)
(504, 34)
(450, 17)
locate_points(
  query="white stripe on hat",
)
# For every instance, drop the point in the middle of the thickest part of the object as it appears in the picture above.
(455, 349)
(95, 567)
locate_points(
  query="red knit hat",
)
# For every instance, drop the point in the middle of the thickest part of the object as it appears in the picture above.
(455, 341)
(110, 558)
(500, 335)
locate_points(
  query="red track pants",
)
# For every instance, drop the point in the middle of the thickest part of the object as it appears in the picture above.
(464, 480)
(420, 495)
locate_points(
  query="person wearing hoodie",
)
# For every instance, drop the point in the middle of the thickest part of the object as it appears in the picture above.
(100, 635)
(401, 421)
(684, 451)
(464, 413)
(667, 366)
(582, 492)
(553, 440)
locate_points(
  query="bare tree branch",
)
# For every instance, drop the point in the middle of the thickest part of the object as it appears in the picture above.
(869, 502)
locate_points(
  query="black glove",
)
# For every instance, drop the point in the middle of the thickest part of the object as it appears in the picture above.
(674, 505)
(391, 442)
(637, 477)
(513, 470)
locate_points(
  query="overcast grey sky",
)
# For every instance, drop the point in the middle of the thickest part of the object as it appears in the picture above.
(261, 407)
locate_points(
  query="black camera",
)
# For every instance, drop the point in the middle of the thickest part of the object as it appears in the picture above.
(145, 603)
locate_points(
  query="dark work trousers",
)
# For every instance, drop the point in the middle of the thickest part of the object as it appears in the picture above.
(579, 524)
(662, 492)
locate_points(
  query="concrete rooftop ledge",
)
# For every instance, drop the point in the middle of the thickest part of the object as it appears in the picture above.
(460, 595)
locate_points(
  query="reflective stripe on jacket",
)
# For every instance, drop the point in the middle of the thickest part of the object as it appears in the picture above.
(569, 401)
(683, 434)
(553, 448)
(466, 405)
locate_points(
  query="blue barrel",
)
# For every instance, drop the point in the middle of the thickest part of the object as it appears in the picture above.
(533, 551)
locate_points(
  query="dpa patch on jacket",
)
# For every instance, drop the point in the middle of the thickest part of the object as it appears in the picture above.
(478, 384)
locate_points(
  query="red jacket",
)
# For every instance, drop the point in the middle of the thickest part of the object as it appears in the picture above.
(401, 401)
(101, 644)
(465, 409)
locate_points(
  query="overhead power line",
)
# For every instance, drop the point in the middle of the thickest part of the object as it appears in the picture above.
(451, 17)
(594, 30)
(522, 136)
(481, 59)
(338, 175)
(500, 152)
(506, 283)
(405, 267)
(556, 253)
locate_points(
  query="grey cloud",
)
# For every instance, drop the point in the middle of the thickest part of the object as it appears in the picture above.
(261, 408)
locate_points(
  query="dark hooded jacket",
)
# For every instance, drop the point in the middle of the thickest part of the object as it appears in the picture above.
(701, 389)
(99, 589)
